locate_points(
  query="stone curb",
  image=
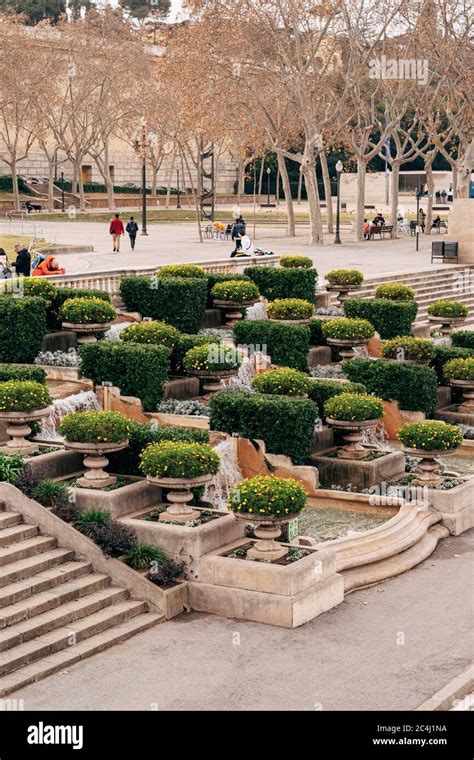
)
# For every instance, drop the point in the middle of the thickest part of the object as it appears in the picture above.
(458, 688)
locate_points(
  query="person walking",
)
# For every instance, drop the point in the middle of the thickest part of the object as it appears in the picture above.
(22, 263)
(132, 229)
(116, 229)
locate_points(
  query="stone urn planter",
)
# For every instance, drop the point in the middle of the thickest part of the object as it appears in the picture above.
(18, 429)
(212, 380)
(467, 387)
(352, 433)
(233, 309)
(86, 333)
(178, 497)
(344, 291)
(428, 465)
(346, 347)
(95, 461)
(446, 324)
(267, 531)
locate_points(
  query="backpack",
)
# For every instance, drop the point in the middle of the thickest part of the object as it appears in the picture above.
(38, 259)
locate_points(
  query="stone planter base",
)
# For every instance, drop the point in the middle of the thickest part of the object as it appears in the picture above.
(335, 471)
(179, 496)
(445, 324)
(86, 333)
(95, 461)
(120, 501)
(179, 517)
(454, 415)
(346, 347)
(456, 506)
(17, 428)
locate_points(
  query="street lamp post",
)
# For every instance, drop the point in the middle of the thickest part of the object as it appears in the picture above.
(269, 171)
(339, 168)
(417, 235)
(62, 192)
(141, 146)
(178, 201)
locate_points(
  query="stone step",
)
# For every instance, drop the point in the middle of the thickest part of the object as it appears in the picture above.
(25, 568)
(27, 548)
(7, 519)
(48, 579)
(71, 654)
(19, 634)
(47, 600)
(15, 533)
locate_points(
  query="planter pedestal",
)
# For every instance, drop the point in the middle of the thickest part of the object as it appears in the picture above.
(353, 436)
(268, 529)
(427, 466)
(178, 509)
(86, 333)
(446, 324)
(467, 387)
(18, 429)
(346, 347)
(95, 462)
(233, 309)
(344, 291)
(212, 381)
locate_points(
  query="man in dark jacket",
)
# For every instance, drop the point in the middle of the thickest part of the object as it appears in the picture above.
(23, 260)
(132, 229)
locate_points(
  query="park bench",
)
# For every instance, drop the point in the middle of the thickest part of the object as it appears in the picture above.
(381, 230)
(444, 250)
(440, 226)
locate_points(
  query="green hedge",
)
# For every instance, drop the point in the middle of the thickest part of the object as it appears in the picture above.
(22, 328)
(316, 333)
(413, 386)
(141, 435)
(186, 343)
(279, 282)
(443, 355)
(64, 294)
(178, 301)
(285, 424)
(322, 390)
(463, 339)
(138, 370)
(6, 185)
(288, 345)
(390, 318)
(24, 372)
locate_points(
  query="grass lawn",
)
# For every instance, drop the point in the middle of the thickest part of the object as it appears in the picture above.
(9, 241)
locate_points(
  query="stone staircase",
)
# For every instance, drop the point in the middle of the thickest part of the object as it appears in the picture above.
(54, 609)
(451, 282)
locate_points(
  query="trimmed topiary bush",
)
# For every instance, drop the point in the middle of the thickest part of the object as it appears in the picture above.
(182, 270)
(138, 370)
(450, 309)
(64, 294)
(390, 318)
(285, 424)
(212, 358)
(408, 347)
(352, 407)
(459, 369)
(296, 262)
(290, 308)
(282, 282)
(141, 434)
(444, 355)
(267, 495)
(184, 344)
(95, 427)
(36, 286)
(463, 339)
(25, 372)
(412, 385)
(22, 328)
(23, 396)
(347, 329)
(316, 332)
(322, 390)
(179, 301)
(395, 291)
(156, 333)
(345, 277)
(236, 291)
(288, 345)
(214, 277)
(432, 435)
(179, 459)
(83, 311)
(282, 382)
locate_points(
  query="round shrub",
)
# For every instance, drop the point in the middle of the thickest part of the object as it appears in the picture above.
(394, 291)
(463, 339)
(352, 407)
(345, 277)
(95, 427)
(35, 286)
(178, 459)
(235, 290)
(348, 329)
(212, 358)
(83, 311)
(186, 343)
(296, 262)
(459, 369)
(23, 396)
(182, 270)
(290, 308)
(432, 435)
(450, 309)
(282, 382)
(408, 347)
(157, 333)
(267, 495)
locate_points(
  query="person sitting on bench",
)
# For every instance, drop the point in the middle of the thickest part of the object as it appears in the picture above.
(436, 223)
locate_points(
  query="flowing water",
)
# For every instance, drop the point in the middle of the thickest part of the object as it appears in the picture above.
(376, 437)
(115, 330)
(85, 401)
(217, 492)
(327, 524)
(361, 352)
(257, 311)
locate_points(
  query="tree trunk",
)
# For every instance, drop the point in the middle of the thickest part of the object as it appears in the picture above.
(327, 190)
(74, 185)
(51, 183)
(291, 231)
(300, 186)
(463, 181)
(430, 186)
(16, 194)
(277, 187)
(240, 180)
(394, 180)
(196, 197)
(260, 179)
(316, 228)
(455, 180)
(154, 179)
(360, 212)
(168, 185)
